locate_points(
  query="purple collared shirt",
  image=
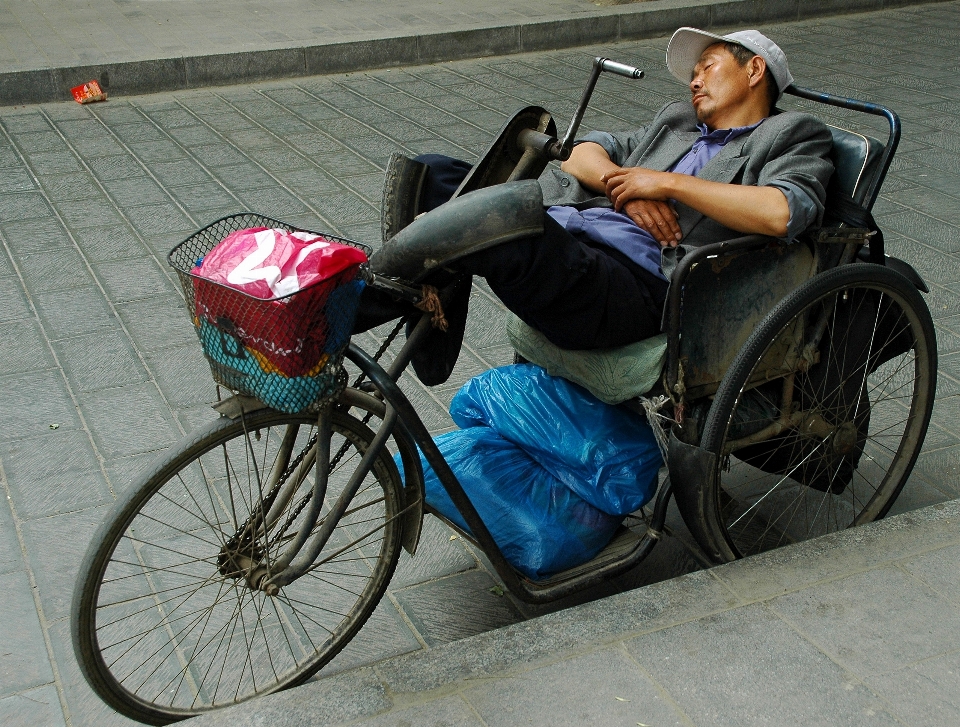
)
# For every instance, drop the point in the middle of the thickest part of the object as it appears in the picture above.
(606, 226)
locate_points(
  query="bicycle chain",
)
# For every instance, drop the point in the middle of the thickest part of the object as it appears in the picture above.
(267, 502)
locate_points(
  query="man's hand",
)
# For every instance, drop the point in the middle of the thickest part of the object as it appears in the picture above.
(656, 217)
(627, 183)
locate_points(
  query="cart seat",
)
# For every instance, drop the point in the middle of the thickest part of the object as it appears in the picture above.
(725, 299)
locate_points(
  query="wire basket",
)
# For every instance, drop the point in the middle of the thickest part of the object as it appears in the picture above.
(286, 351)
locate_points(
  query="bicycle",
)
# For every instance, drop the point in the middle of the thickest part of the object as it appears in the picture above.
(255, 549)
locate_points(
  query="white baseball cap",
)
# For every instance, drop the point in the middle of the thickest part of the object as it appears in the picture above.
(688, 44)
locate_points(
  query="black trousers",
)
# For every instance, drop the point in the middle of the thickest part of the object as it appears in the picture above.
(580, 295)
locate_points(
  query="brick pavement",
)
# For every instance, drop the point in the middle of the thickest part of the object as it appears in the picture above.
(144, 46)
(99, 367)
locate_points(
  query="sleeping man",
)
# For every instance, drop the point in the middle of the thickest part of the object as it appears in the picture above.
(725, 163)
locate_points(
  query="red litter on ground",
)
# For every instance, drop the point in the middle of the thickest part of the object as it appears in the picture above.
(88, 93)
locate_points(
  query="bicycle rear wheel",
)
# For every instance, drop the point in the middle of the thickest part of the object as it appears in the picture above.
(858, 417)
(167, 618)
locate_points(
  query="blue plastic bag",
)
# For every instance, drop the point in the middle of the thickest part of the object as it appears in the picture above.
(606, 455)
(539, 524)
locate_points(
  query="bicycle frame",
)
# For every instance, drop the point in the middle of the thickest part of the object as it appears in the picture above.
(399, 418)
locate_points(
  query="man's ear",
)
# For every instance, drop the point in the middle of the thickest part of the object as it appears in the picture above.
(755, 68)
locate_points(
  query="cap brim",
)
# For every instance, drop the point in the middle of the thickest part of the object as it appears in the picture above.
(684, 51)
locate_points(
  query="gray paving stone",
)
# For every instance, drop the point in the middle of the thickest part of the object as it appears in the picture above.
(245, 176)
(77, 187)
(315, 183)
(38, 141)
(277, 202)
(53, 270)
(99, 361)
(100, 244)
(55, 558)
(25, 121)
(926, 693)
(101, 145)
(935, 570)
(34, 460)
(445, 712)
(124, 473)
(157, 151)
(190, 136)
(158, 322)
(853, 619)
(133, 279)
(23, 206)
(20, 667)
(22, 348)
(600, 688)
(156, 219)
(73, 312)
(32, 402)
(183, 375)
(712, 667)
(53, 162)
(114, 167)
(183, 171)
(439, 553)
(128, 420)
(132, 191)
(32, 707)
(331, 701)
(68, 490)
(918, 493)
(385, 635)
(34, 235)
(89, 128)
(455, 607)
(79, 216)
(214, 156)
(139, 130)
(800, 566)
(200, 197)
(85, 707)
(11, 559)
(193, 418)
(17, 180)
(55, 473)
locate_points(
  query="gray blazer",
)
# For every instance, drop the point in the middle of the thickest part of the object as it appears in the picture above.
(789, 147)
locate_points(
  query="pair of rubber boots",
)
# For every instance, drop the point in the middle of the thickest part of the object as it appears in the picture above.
(435, 358)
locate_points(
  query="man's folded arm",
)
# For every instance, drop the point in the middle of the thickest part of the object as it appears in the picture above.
(588, 162)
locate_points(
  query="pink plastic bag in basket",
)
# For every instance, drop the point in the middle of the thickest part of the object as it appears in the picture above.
(268, 263)
(290, 333)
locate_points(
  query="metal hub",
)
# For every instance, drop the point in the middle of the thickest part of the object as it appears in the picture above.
(845, 438)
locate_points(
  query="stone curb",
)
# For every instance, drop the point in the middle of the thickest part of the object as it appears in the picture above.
(605, 25)
(424, 676)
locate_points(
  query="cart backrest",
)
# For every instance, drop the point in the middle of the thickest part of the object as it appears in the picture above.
(856, 160)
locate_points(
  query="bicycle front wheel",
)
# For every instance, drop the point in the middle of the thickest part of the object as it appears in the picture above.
(167, 618)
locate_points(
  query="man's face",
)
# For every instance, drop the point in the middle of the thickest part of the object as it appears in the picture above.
(719, 84)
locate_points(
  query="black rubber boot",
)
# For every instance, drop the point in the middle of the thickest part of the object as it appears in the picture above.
(402, 193)
(434, 360)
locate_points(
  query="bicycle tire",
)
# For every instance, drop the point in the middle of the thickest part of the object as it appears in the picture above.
(863, 411)
(163, 563)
